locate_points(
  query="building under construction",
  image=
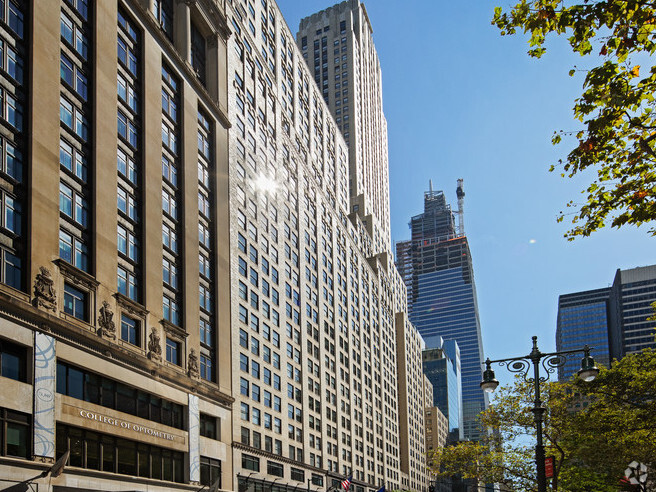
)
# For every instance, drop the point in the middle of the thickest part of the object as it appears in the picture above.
(436, 267)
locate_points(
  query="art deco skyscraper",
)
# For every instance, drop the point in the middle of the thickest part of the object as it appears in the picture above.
(436, 266)
(318, 316)
(337, 44)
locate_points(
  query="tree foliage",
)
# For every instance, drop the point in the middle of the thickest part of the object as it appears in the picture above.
(618, 138)
(593, 430)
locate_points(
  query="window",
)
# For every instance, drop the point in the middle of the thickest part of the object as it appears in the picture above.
(127, 283)
(210, 471)
(170, 308)
(127, 56)
(206, 333)
(169, 171)
(127, 129)
(127, 93)
(205, 298)
(73, 119)
(169, 104)
(173, 351)
(250, 463)
(169, 205)
(74, 36)
(130, 330)
(73, 76)
(127, 204)
(73, 205)
(164, 15)
(298, 475)
(11, 269)
(99, 390)
(119, 455)
(208, 426)
(81, 6)
(275, 469)
(70, 159)
(13, 361)
(198, 53)
(169, 238)
(169, 138)
(15, 434)
(206, 368)
(12, 111)
(243, 338)
(13, 16)
(75, 302)
(170, 273)
(11, 213)
(244, 387)
(204, 266)
(12, 160)
(127, 243)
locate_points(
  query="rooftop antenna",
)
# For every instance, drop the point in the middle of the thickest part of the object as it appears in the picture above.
(460, 193)
(430, 186)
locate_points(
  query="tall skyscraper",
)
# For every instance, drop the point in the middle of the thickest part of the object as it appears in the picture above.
(316, 298)
(613, 320)
(337, 44)
(109, 323)
(437, 268)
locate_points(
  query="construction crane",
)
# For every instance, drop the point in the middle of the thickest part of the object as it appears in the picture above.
(460, 193)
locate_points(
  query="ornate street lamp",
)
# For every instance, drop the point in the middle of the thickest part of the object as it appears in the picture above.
(550, 362)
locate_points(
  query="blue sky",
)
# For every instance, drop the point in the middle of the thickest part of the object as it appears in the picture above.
(461, 101)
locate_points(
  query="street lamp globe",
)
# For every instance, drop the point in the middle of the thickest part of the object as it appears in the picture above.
(588, 369)
(489, 383)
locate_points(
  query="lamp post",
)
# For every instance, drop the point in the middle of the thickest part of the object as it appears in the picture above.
(550, 362)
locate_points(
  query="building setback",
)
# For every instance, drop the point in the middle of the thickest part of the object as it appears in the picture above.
(613, 320)
(114, 137)
(437, 268)
(315, 292)
(337, 44)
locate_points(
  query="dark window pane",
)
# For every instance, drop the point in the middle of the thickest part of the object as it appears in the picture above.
(108, 453)
(76, 446)
(17, 440)
(127, 457)
(75, 388)
(93, 450)
(156, 457)
(92, 388)
(144, 461)
(125, 399)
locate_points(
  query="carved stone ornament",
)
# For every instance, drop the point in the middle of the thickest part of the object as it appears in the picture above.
(106, 326)
(44, 290)
(154, 346)
(193, 365)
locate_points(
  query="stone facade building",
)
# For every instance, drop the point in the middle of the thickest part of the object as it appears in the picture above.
(114, 140)
(315, 327)
(179, 241)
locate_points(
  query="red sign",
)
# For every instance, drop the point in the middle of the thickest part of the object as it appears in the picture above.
(549, 463)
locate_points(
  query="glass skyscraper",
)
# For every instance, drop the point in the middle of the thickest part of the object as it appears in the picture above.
(436, 266)
(442, 368)
(583, 319)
